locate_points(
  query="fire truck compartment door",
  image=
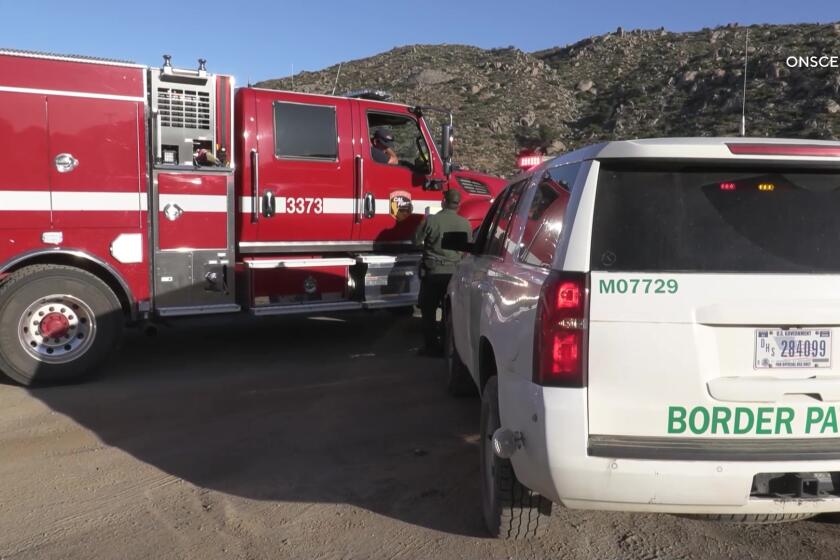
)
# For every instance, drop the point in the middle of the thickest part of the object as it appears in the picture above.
(192, 210)
(24, 172)
(306, 170)
(95, 154)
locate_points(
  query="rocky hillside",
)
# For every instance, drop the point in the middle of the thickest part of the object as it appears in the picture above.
(626, 84)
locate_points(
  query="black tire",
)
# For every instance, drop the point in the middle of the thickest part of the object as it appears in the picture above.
(86, 348)
(459, 382)
(511, 511)
(755, 519)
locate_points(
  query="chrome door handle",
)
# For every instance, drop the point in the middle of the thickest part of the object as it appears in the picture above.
(65, 163)
(268, 207)
(370, 205)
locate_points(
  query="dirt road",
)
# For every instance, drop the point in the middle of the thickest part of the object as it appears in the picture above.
(292, 438)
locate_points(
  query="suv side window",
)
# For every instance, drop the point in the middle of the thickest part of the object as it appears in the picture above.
(544, 221)
(305, 131)
(484, 229)
(498, 235)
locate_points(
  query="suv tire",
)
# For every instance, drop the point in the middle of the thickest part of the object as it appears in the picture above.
(755, 519)
(511, 511)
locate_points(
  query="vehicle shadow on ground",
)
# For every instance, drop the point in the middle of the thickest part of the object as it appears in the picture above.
(307, 410)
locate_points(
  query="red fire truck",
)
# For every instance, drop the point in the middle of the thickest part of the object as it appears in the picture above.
(129, 193)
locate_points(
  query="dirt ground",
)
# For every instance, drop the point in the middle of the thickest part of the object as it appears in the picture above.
(292, 438)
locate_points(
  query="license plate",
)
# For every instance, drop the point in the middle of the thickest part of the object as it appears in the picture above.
(792, 348)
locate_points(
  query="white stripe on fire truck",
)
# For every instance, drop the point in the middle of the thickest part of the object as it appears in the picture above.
(32, 201)
(334, 205)
(64, 93)
(79, 201)
(195, 202)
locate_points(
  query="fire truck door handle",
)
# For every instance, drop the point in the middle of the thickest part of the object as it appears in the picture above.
(357, 189)
(65, 163)
(370, 205)
(255, 185)
(268, 205)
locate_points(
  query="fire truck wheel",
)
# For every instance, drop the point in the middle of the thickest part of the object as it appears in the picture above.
(57, 324)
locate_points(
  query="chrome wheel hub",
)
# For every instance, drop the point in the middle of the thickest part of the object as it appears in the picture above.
(57, 329)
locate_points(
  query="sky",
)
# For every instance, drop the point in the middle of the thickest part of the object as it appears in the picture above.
(259, 39)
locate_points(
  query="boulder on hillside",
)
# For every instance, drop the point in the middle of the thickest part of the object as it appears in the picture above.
(431, 77)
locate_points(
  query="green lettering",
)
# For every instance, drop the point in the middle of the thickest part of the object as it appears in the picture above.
(741, 412)
(676, 419)
(830, 421)
(762, 418)
(720, 418)
(606, 286)
(784, 416)
(815, 414)
(692, 420)
(621, 286)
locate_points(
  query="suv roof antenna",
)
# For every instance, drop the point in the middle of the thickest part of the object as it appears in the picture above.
(335, 85)
(744, 95)
(293, 76)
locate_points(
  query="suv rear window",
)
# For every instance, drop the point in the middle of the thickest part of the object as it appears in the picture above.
(716, 219)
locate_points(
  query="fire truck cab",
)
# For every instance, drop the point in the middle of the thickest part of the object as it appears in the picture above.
(129, 193)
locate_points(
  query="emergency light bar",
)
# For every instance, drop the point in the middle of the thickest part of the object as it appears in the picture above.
(784, 150)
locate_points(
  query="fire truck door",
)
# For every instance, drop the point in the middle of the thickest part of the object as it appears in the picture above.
(24, 179)
(306, 173)
(393, 200)
(95, 152)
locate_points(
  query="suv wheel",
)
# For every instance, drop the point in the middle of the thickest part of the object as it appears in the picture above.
(511, 511)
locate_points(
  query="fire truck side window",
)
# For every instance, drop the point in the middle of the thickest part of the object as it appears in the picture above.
(409, 143)
(544, 222)
(305, 131)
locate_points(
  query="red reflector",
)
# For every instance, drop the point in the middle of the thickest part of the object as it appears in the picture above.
(559, 338)
(569, 295)
(727, 186)
(784, 150)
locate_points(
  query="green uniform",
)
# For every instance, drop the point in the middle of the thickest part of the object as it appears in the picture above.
(429, 236)
(437, 266)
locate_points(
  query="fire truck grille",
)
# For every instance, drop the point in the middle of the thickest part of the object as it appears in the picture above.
(473, 187)
(183, 108)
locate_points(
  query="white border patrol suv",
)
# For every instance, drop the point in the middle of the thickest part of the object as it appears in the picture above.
(651, 325)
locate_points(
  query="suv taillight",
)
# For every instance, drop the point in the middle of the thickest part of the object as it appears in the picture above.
(560, 335)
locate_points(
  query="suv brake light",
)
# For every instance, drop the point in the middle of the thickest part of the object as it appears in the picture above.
(560, 335)
(784, 150)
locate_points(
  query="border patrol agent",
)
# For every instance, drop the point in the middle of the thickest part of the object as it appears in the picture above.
(437, 265)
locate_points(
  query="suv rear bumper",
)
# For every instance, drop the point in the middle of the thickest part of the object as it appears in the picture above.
(556, 462)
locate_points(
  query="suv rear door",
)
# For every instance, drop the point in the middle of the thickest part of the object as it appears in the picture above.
(715, 300)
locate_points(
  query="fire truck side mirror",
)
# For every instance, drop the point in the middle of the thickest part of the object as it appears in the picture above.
(447, 132)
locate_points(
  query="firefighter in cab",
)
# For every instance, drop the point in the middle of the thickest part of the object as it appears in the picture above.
(437, 266)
